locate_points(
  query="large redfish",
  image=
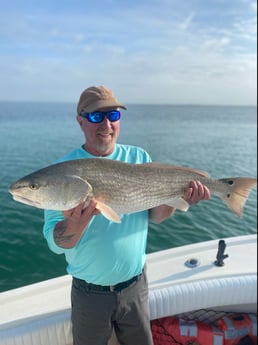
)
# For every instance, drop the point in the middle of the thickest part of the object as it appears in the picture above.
(121, 188)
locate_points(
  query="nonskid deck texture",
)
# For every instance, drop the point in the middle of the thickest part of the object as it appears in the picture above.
(39, 314)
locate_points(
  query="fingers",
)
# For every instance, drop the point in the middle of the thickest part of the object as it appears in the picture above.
(207, 194)
(80, 210)
(187, 194)
(90, 210)
(74, 211)
(196, 192)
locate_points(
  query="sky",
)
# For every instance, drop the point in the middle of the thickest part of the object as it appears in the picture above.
(146, 51)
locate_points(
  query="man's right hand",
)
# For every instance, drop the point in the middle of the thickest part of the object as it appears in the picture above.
(69, 231)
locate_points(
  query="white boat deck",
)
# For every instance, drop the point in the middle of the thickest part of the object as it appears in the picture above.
(40, 313)
(176, 289)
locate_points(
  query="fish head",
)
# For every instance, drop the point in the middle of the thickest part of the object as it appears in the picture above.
(51, 191)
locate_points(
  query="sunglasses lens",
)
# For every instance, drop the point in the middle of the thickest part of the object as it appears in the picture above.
(98, 116)
(113, 115)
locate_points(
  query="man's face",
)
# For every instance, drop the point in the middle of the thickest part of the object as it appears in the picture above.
(100, 137)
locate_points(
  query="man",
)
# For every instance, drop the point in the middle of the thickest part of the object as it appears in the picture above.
(106, 259)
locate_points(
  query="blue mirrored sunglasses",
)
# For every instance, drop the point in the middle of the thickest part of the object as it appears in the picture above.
(99, 116)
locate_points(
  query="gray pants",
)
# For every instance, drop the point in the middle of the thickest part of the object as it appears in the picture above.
(96, 313)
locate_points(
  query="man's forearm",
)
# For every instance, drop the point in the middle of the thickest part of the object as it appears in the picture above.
(65, 235)
(160, 213)
(68, 232)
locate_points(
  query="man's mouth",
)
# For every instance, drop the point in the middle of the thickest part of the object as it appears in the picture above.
(105, 135)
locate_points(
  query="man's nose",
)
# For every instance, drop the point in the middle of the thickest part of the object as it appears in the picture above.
(106, 122)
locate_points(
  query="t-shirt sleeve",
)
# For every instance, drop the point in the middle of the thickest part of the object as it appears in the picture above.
(51, 219)
(147, 157)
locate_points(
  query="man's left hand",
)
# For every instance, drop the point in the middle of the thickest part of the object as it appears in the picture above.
(196, 192)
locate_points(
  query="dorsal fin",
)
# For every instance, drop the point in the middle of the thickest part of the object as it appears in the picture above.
(174, 167)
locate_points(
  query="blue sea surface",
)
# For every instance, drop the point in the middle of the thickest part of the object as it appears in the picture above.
(221, 140)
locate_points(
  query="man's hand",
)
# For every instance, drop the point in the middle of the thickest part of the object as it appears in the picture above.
(69, 231)
(80, 214)
(196, 192)
(193, 194)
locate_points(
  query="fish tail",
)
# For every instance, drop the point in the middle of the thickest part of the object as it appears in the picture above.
(237, 192)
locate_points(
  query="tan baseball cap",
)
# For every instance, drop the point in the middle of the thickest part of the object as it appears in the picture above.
(97, 97)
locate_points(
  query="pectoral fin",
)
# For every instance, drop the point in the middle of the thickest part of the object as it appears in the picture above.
(108, 212)
(75, 190)
(179, 203)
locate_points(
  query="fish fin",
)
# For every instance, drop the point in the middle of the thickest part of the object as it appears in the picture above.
(108, 212)
(174, 167)
(237, 192)
(79, 190)
(179, 203)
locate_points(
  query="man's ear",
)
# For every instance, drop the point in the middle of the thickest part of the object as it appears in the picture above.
(79, 120)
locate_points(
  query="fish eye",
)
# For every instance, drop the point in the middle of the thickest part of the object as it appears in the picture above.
(33, 186)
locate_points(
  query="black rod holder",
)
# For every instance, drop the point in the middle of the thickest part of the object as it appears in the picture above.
(220, 255)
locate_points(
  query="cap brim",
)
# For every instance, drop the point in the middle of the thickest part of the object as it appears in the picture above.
(102, 104)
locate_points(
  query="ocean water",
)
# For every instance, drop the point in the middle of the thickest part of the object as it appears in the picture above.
(218, 139)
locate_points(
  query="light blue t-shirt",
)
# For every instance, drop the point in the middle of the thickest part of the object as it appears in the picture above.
(107, 253)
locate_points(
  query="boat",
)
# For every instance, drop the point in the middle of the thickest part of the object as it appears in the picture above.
(217, 275)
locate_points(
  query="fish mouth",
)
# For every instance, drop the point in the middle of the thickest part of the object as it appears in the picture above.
(26, 201)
